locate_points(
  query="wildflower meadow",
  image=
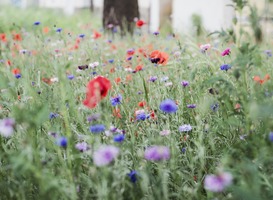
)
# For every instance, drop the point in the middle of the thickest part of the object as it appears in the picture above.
(87, 114)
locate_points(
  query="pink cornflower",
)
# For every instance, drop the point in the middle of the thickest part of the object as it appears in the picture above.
(226, 52)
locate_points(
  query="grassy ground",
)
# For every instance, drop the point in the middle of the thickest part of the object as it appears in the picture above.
(43, 89)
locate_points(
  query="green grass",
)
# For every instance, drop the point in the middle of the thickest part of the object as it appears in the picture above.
(33, 166)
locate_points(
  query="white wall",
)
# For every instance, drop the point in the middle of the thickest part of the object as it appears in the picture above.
(215, 14)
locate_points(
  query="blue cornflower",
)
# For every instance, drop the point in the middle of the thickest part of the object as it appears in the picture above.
(37, 23)
(58, 30)
(53, 115)
(156, 33)
(18, 76)
(225, 67)
(184, 150)
(214, 107)
(116, 100)
(142, 116)
(185, 128)
(168, 106)
(119, 137)
(129, 58)
(97, 128)
(70, 77)
(111, 60)
(270, 136)
(133, 176)
(62, 142)
(82, 35)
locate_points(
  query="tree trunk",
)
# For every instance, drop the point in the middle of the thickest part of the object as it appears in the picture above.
(120, 13)
(91, 5)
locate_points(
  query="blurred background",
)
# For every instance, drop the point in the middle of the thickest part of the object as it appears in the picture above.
(171, 15)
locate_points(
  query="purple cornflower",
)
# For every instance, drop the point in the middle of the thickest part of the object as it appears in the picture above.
(93, 117)
(270, 136)
(156, 33)
(70, 77)
(7, 127)
(157, 153)
(53, 134)
(217, 183)
(116, 100)
(214, 107)
(168, 106)
(226, 52)
(185, 128)
(153, 78)
(133, 176)
(191, 106)
(119, 138)
(53, 115)
(98, 128)
(62, 142)
(23, 51)
(82, 146)
(130, 51)
(225, 67)
(185, 83)
(105, 155)
(268, 53)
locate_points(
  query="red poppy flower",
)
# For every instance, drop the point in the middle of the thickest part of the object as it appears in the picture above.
(140, 23)
(141, 103)
(159, 57)
(17, 37)
(9, 63)
(96, 35)
(16, 71)
(97, 89)
(46, 29)
(138, 68)
(116, 113)
(118, 80)
(261, 81)
(3, 37)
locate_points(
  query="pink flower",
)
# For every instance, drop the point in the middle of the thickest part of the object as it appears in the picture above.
(165, 132)
(217, 183)
(105, 155)
(226, 52)
(7, 127)
(157, 153)
(205, 47)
